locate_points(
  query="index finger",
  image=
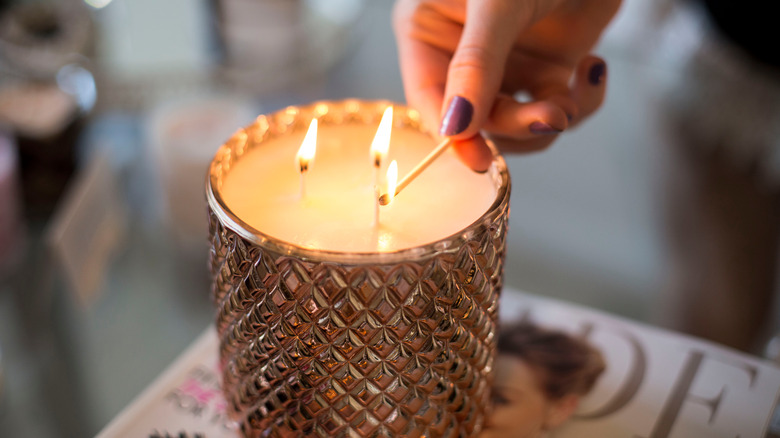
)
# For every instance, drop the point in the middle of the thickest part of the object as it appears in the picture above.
(423, 58)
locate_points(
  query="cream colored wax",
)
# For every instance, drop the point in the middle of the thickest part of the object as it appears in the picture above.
(337, 212)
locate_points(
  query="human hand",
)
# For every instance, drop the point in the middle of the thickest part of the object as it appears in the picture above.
(475, 55)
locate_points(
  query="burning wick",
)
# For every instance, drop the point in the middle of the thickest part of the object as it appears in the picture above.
(381, 142)
(305, 155)
(392, 179)
(388, 196)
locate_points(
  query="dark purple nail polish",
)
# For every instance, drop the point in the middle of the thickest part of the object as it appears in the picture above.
(543, 128)
(457, 118)
(596, 73)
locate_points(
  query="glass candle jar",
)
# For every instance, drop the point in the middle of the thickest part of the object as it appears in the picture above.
(326, 343)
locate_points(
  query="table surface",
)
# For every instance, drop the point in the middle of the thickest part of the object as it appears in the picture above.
(657, 383)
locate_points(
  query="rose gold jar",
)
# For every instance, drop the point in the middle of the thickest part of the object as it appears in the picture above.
(322, 343)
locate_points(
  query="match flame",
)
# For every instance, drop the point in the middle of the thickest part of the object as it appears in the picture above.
(392, 181)
(305, 155)
(381, 143)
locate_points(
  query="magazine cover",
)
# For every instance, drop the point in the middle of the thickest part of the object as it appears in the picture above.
(563, 371)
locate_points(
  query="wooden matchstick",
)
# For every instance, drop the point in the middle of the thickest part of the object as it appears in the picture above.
(414, 173)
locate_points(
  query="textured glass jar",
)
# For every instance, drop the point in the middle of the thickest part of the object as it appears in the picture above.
(321, 343)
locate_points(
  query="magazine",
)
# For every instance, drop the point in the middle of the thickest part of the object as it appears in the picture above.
(579, 373)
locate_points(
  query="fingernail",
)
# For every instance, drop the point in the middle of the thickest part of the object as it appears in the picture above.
(596, 73)
(543, 128)
(457, 118)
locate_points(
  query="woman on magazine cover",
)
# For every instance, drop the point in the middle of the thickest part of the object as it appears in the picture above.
(541, 376)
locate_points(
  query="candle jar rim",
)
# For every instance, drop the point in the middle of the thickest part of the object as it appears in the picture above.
(337, 112)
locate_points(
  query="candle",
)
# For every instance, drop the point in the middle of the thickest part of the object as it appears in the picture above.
(331, 324)
(381, 142)
(337, 213)
(305, 156)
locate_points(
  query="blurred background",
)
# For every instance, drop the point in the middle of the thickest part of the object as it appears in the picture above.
(111, 110)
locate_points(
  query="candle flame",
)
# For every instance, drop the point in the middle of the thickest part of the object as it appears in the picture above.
(381, 143)
(305, 155)
(392, 181)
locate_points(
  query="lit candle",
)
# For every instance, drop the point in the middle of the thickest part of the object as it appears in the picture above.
(381, 141)
(351, 318)
(338, 212)
(305, 155)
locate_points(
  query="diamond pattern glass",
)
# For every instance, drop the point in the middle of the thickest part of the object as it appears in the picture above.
(317, 343)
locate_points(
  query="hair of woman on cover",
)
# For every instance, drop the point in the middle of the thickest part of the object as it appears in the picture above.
(565, 364)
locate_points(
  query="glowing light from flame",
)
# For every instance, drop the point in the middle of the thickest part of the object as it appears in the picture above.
(392, 181)
(381, 143)
(305, 155)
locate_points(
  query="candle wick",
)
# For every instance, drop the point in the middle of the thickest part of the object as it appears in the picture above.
(376, 206)
(304, 168)
(414, 173)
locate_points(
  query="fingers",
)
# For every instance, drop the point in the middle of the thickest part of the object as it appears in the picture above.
(474, 153)
(509, 145)
(520, 127)
(514, 127)
(476, 70)
(423, 70)
(511, 118)
(517, 127)
(423, 65)
(459, 90)
(590, 87)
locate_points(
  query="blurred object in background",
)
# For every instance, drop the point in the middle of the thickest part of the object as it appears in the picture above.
(255, 33)
(182, 136)
(86, 232)
(12, 231)
(269, 45)
(257, 47)
(45, 92)
(721, 177)
(38, 38)
(2, 392)
(1, 383)
(148, 50)
(772, 351)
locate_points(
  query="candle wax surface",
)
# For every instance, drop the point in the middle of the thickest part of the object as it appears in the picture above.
(337, 212)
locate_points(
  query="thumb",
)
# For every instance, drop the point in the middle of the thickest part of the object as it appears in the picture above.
(477, 66)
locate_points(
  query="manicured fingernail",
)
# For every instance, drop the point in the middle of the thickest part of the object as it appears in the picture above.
(457, 118)
(543, 128)
(596, 73)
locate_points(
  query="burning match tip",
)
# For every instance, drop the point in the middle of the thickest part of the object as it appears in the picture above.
(384, 199)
